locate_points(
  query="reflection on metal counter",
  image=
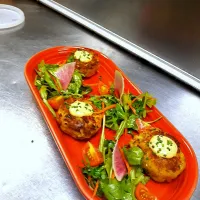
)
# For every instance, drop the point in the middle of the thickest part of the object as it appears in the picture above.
(166, 33)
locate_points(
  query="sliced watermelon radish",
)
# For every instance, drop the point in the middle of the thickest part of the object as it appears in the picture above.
(118, 164)
(141, 124)
(119, 83)
(64, 74)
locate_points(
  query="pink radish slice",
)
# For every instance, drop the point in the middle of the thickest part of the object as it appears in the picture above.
(64, 74)
(141, 124)
(119, 83)
(118, 164)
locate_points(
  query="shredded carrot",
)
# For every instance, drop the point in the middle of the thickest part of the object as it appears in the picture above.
(113, 175)
(125, 131)
(91, 84)
(133, 100)
(55, 82)
(95, 189)
(150, 122)
(125, 161)
(105, 109)
(89, 179)
(62, 62)
(133, 109)
(88, 101)
(103, 105)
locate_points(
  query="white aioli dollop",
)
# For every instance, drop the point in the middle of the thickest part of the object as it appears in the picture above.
(80, 109)
(163, 146)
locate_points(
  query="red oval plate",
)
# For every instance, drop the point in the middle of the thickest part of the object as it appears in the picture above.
(181, 188)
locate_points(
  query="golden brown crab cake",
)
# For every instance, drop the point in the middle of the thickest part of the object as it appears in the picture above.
(163, 159)
(77, 118)
(87, 61)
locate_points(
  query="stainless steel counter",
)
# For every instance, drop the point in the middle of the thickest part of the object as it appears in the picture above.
(31, 167)
(165, 33)
(167, 28)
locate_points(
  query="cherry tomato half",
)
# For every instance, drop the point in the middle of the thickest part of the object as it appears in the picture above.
(92, 155)
(103, 88)
(142, 193)
(56, 101)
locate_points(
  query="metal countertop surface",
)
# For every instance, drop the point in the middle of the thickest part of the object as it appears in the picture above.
(169, 29)
(31, 166)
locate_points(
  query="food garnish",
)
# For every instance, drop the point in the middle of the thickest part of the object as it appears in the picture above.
(64, 74)
(80, 109)
(163, 146)
(83, 56)
(77, 119)
(87, 61)
(92, 155)
(118, 163)
(56, 102)
(112, 185)
(119, 83)
(112, 170)
(142, 193)
(161, 165)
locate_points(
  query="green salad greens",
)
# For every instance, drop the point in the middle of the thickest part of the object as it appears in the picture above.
(119, 114)
(110, 187)
(49, 84)
(46, 76)
(124, 115)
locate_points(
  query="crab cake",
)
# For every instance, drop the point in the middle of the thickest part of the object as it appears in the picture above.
(77, 118)
(163, 159)
(87, 61)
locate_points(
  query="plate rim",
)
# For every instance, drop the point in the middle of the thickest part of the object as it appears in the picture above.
(45, 116)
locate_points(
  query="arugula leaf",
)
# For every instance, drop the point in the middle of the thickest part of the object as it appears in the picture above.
(71, 58)
(131, 122)
(38, 82)
(113, 116)
(120, 131)
(139, 176)
(75, 87)
(133, 155)
(107, 155)
(143, 100)
(112, 123)
(109, 100)
(120, 112)
(118, 190)
(108, 163)
(43, 94)
(41, 66)
(96, 101)
(85, 90)
(125, 99)
(49, 80)
(151, 102)
(112, 190)
(44, 76)
(127, 196)
(98, 173)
